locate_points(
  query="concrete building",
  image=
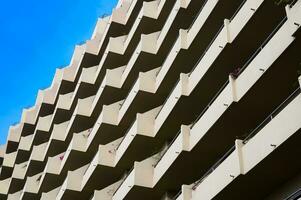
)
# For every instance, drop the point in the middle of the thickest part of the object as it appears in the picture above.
(169, 99)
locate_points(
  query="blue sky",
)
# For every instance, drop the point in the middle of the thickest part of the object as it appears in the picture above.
(36, 38)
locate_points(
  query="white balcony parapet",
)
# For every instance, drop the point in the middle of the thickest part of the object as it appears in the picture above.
(30, 115)
(243, 159)
(2, 150)
(180, 89)
(235, 89)
(70, 72)
(31, 184)
(105, 156)
(25, 142)
(14, 133)
(51, 194)
(93, 45)
(106, 193)
(145, 82)
(4, 186)
(44, 125)
(9, 159)
(141, 175)
(64, 101)
(144, 125)
(81, 141)
(180, 144)
(20, 170)
(72, 181)
(14, 196)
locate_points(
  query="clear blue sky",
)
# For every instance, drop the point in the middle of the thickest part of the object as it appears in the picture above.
(36, 38)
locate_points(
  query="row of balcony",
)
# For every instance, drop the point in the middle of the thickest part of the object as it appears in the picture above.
(77, 150)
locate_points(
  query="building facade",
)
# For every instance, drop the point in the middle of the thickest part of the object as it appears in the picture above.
(169, 99)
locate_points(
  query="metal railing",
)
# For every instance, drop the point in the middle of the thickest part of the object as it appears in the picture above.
(263, 44)
(293, 3)
(90, 163)
(167, 148)
(197, 15)
(256, 130)
(172, 90)
(237, 10)
(207, 48)
(126, 133)
(124, 178)
(128, 93)
(273, 114)
(210, 103)
(197, 183)
(243, 68)
(294, 196)
(167, 56)
(177, 195)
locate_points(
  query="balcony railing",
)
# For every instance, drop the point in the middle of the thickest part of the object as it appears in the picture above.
(210, 103)
(197, 15)
(256, 130)
(296, 195)
(126, 133)
(236, 74)
(197, 183)
(90, 163)
(263, 44)
(123, 179)
(207, 48)
(129, 93)
(238, 9)
(166, 58)
(273, 114)
(165, 149)
(177, 195)
(172, 90)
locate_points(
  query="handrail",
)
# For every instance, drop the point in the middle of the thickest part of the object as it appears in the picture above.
(258, 128)
(207, 48)
(273, 114)
(295, 195)
(128, 93)
(167, 148)
(172, 90)
(216, 35)
(293, 3)
(197, 15)
(210, 103)
(126, 133)
(243, 68)
(177, 195)
(125, 177)
(262, 45)
(170, 51)
(166, 24)
(90, 163)
(197, 183)
(237, 10)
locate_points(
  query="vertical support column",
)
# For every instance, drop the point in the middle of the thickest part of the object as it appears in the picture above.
(183, 39)
(184, 79)
(238, 147)
(227, 30)
(186, 192)
(185, 133)
(233, 88)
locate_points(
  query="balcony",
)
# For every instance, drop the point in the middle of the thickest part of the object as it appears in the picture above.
(254, 168)
(102, 171)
